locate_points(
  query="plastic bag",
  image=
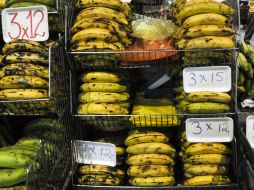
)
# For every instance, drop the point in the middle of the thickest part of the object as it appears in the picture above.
(153, 29)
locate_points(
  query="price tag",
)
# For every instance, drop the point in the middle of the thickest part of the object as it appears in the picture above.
(126, 1)
(214, 78)
(210, 129)
(250, 130)
(87, 152)
(30, 23)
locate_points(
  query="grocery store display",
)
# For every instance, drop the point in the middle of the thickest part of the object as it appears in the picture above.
(151, 159)
(205, 163)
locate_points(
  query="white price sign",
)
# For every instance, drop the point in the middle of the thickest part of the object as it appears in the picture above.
(210, 129)
(250, 130)
(30, 23)
(214, 78)
(87, 152)
(126, 1)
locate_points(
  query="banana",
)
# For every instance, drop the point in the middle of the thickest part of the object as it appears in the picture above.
(146, 159)
(151, 148)
(102, 12)
(13, 160)
(28, 4)
(152, 181)
(102, 87)
(24, 46)
(120, 151)
(206, 30)
(101, 77)
(24, 69)
(180, 4)
(150, 171)
(207, 54)
(207, 180)
(205, 96)
(217, 159)
(41, 124)
(112, 26)
(45, 2)
(10, 177)
(207, 107)
(205, 19)
(16, 81)
(94, 34)
(25, 57)
(245, 65)
(94, 45)
(99, 180)
(17, 94)
(20, 187)
(103, 97)
(206, 7)
(112, 4)
(218, 42)
(199, 170)
(30, 142)
(102, 108)
(146, 137)
(99, 170)
(207, 148)
(17, 150)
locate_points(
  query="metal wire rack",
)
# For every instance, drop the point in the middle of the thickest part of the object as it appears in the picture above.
(58, 91)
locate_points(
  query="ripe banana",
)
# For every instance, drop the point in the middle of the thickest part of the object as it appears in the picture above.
(208, 159)
(207, 180)
(16, 81)
(112, 26)
(151, 148)
(24, 69)
(112, 4)
(146, 159)
(205, 96)
(120, 151)
(25, 57)
(103, 97)
(206, 7)
(17, 94)
(13, 160)
(152, 181)
(99, 170)
(207, 42)
(200, 170)
(207, 107)
(150, 171)
(99, 180)
(146, 137)
(206, 18)
(10, 177)
(94, 34)
(102, 12)
(101, 77)
(94, 45)
(102, 108)
(207, 148)
(102, 87)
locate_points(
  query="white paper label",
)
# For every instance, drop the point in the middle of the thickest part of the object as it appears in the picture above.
(30, 23)
(214, 78)
(250, 130)
(126, 1)
(87, 152)
(210, 129)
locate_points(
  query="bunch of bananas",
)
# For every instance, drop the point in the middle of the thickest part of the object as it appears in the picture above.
(102, 93)
(205, 163)
(151, 159)
(203, 24)
(14, 161)
(101, 25)
(24, 74)
(151, 112)
(203, 102)
(245, 60)
(100, 175)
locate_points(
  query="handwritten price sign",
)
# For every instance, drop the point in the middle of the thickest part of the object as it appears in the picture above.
(209, 129)
(214, 78)
(250, 130)
(30, 23)
(87, 152)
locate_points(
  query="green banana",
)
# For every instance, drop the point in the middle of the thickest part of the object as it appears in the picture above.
(10, 177)
(40, 124)
(13, 160)
(28, 4)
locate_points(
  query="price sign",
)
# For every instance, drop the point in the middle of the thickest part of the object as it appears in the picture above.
(210, 129)
(30, 23)
(214, 78)
(250, 130)
(126, 1)
(87, 152)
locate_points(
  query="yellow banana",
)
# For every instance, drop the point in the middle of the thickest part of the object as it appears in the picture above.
(99, 170)
(99, 180)
(207, 107)
(101, 77)
(207, 180)
(152, 181)
(150, 171)
(17, 94)
(206, 96)
(103, 97)
(102, 87)
(146, 137)
(120, 151)
(113, 4)
(146, 159)
(208, 159)
(94, 45)
(199, 170)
